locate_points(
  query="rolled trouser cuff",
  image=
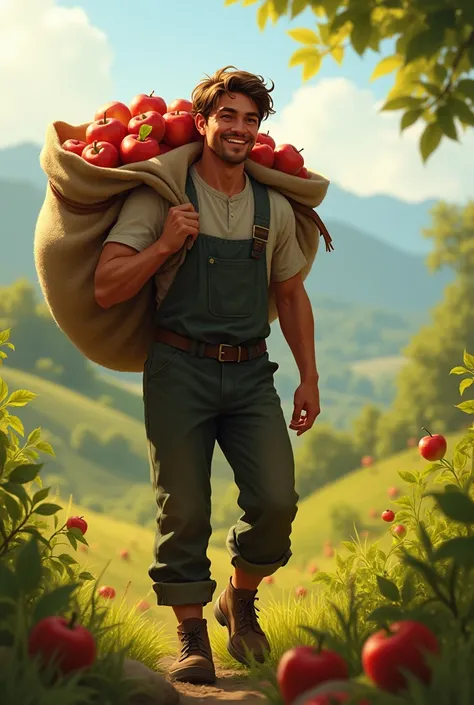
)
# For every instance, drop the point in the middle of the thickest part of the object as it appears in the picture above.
(251, 567)
(193, 593)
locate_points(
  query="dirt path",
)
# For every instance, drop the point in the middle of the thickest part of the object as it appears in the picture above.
(231, 687)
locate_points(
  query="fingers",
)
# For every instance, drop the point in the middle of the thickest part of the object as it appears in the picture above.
(183, 207)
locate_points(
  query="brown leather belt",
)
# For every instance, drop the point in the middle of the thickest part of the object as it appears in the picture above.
(221, 352)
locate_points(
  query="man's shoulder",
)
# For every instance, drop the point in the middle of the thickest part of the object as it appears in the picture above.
(281, 208)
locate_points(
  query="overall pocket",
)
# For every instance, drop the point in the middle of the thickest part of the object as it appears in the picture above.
(231, 286)
(159, 357)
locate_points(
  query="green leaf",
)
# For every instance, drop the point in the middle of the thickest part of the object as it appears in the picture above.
(34, 436)
(78, 535)
(71, 540)
(461, 109)
(19, 492)
(67, 559)
(13, 508)
(310, 58)
(340, 20)
(407, 476)
(468, 360)
(406, 101)
(456, 506)
(361, 32)
(28, 566)
(408, 591)
(40, 495)
(429, 574)
(144, 132)
(47, 509)
(297, 7)
(388, 588)
(430, 139)
(425, 539)
(445, 120)
(55, 602)
(304, 36)
(465, 384)
(45, 447)
(34, 532)
(349, 545)
(409, 118)
(86, 576)
(458, 371)
(16, 424)
(460, 549)
(424, 44)
(337, 54)
(466, 406)
(5, 336)
(20, 397)
(386, 66)
(386, 613)
(24, 473)
(466, 87)
(3, 449)
(8, 582)
(263, 15)
(3, 390)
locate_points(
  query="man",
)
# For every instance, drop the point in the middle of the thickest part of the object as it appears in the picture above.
(208, 377)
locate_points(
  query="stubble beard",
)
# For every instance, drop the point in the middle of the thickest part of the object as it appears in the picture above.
(224, 152)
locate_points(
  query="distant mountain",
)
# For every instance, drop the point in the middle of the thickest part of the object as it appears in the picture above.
(390, 220)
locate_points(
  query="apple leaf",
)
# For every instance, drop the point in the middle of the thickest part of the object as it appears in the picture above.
(385, 613)
(458, 370)
(3, 449)
(361, 32)
(47, 509)
(468, 360)
(404, 101)
(455, 505)
(465, 384)
(145, 130)
(24, 473)
(466, 406)
(386, 66)
(460, 549)
(303, 35)
(430, 139)
(28, 566)
(466, 87)
(297, 7)
(337, 54)
(53, 603)
(388, 588)
(20, 397)
(445, 120)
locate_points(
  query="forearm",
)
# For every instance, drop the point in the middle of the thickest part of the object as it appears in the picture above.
(122, 278)
(297, 325)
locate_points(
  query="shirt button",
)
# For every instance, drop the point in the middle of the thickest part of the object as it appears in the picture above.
(211, 260)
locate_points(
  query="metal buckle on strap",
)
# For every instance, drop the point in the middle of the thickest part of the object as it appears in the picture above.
(259, 229)
(221, 352)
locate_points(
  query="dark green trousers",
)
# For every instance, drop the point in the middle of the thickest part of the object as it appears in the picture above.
(190, 403)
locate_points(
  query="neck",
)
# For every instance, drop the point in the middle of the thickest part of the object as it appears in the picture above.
(224, 177)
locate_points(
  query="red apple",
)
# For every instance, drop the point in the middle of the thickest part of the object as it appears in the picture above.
(139, 148)
(165, 148)
(288, 159)
(124, 554)
(180, 104)
(388, 515)
(263, 138)
(304, 667)
(143, 103)
(71, 645)
(101, 154)
(143, 606)
(116, 110)
(373, 513)
(83, 548)
(152, 118)
(74, 146)
(303, 173)
(313, 568)
(367, 461)
(301, 591)
(269, 579)
(77, 522)
(393, 492)
(262, 154)
(328, 551)
(433, 447)
(399, 530)
(180, 128)
(106, 130)
(107, 591)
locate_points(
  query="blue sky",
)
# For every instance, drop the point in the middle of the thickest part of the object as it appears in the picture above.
(167, 46)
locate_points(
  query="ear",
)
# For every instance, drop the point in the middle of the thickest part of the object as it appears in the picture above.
(200, 122)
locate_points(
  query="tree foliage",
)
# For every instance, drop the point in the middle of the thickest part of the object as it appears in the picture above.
(432, 59)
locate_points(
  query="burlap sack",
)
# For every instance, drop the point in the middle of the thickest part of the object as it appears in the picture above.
(82, 203)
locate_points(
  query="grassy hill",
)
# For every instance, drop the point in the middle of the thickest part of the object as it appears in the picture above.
(366, 488)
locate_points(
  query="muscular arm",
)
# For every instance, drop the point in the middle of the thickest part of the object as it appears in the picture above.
(122, 271)
(297, 324)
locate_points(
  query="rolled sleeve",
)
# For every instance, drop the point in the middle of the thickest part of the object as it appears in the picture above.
(141, 219)
(288, 259)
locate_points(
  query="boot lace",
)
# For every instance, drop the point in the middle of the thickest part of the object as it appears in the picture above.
(247, 611)
(192, 642)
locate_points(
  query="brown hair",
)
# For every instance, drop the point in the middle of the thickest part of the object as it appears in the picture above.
(207, 93)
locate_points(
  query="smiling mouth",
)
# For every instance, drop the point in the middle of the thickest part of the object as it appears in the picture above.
(236, 141)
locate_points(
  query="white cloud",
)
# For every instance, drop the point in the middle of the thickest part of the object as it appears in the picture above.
(349, 141)
(54, 65)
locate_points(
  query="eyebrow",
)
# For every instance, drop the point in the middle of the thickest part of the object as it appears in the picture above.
(234, 111)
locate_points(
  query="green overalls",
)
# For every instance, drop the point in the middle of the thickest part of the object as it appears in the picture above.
(219, 295)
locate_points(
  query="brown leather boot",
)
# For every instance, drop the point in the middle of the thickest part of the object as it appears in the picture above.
(194, 663)
(236, 610)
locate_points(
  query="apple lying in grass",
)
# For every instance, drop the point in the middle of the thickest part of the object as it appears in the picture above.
(269, 579)
(393, 492)
(107, 592)
(143, 606)
(313, 568)
(304, 667)
(124, 554)
(301, 591)
(71, 645)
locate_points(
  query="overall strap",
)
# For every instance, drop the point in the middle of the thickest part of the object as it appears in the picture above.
(191, 192)
(261, 221)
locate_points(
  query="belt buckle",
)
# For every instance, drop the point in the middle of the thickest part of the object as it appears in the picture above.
(263, 231)
(221, 352)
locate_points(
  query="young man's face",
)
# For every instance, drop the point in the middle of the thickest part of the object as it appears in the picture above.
(232, 128)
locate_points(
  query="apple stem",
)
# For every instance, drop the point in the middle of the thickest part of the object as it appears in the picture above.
(73, 620)
(300, 150)
(151, 93)
(386, 628)
(94, 144)
(428, 432)
(105, 117)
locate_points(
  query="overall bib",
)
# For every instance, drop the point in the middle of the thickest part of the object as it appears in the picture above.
(220, 298)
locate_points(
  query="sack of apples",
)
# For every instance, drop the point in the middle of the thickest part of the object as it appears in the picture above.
(91, 168)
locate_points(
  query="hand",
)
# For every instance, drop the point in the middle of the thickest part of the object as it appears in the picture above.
(306, 399)
(182, 222)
